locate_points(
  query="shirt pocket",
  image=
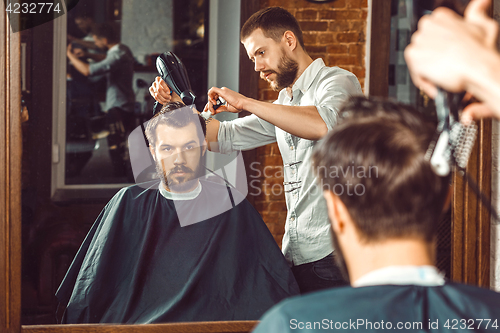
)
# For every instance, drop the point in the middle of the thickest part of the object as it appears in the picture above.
(305, 144)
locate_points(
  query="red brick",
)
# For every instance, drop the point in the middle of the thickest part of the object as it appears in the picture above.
(337, 60)
(262, 206)
(316, 49)
(278, 239)
(364, 14)
(309, 38)
(339, 14)
(307, 14)
(277, 206)
(264, 150)
(357, 50)
(337, 48)
(358, 4)
(273, 160)
(313, 25)
(274, 149)
(348, 37)
(339, 25)
(276, 228)
(359, 72)
(358, 26)
(326, 38)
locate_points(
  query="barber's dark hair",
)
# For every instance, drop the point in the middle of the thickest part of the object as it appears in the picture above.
(377, 151)
(177, 115)
(274, 22)
(106, 30)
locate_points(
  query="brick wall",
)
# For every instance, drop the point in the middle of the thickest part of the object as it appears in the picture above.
(335, 32)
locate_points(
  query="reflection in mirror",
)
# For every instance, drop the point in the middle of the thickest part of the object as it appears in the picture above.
(184, 246)
(110, 56)
(69, 118)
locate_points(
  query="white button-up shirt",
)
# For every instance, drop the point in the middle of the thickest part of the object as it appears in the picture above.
(307, 228)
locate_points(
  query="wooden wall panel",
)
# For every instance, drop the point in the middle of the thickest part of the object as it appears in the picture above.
(10, 178)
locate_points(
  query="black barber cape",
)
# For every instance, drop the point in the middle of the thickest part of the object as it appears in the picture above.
(451, 307)
(138, 265)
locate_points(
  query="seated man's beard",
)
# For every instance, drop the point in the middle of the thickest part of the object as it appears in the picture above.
(286, 74)
(339, 256)
(179, 184)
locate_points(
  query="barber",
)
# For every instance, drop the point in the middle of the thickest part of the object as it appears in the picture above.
(310, 95)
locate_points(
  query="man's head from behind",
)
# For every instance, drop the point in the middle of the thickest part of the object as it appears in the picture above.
(177, 143)
(376, 179)
(271, 36)
(105, 34)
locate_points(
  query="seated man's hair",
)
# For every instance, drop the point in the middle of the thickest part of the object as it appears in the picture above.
(106, 30)
(274, 22)
(177, 115)
(377, 151)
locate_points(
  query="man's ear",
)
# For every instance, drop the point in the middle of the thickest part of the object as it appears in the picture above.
(290, 39)
(337, 212)
(152, 151)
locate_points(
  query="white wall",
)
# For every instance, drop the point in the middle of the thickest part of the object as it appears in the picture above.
(147, 26)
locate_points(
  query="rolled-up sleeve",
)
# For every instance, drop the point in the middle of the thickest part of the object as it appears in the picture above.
(332, 91)
(108, 64)
(245, 133)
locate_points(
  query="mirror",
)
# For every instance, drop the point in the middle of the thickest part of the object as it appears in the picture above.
(59, 204)
(93, 115)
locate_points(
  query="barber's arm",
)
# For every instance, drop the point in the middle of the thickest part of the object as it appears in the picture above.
(80, 65)
(302, 121)
(239, 134)
(458, 54)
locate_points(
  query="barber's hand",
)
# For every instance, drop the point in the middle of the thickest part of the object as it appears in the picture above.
(162, 93)
(69, 50)
(234, 100)
(446, 48)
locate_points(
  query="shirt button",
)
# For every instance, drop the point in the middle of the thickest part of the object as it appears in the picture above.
(292, 219)
(291, 147)
(293, 172)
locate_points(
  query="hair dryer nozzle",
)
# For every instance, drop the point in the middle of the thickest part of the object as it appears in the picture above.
(173, 72)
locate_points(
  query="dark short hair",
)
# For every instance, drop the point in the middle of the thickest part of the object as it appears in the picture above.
(177, 115)
(106, 30)
(274, 22)
(379, 147)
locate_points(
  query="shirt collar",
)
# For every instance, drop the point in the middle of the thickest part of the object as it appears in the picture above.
(402, 275)
(114, 47)
(180, 196)
(306, 79)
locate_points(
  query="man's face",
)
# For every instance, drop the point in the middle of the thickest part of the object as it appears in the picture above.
(177, 154)
(100, 42)
(271, 60)
(84, 24)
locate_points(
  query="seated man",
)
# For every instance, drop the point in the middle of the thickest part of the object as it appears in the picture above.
(139, 265)
(384, 203)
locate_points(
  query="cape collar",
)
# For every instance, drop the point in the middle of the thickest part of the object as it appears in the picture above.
(180, 196)
(402, 275)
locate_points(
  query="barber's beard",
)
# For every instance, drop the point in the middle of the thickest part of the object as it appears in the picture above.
(339, 256)
(176, 184)
(286, 73)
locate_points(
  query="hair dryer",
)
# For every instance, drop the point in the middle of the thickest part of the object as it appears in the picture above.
(173, 72)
